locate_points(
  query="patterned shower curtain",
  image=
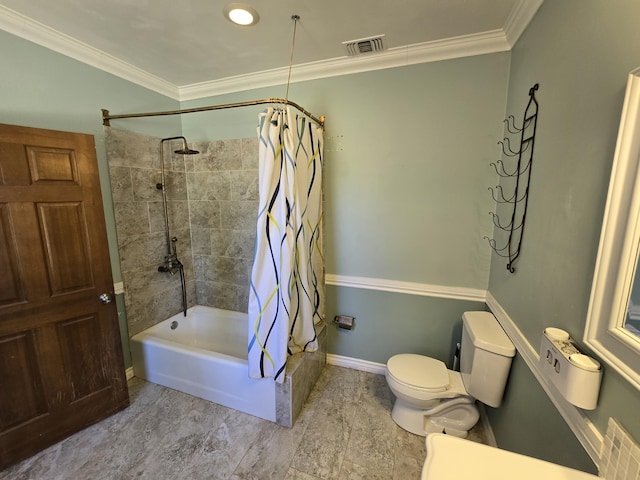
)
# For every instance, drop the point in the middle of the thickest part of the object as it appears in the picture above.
(286, 297)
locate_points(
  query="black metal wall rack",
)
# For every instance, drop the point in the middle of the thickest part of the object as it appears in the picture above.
(516, 178)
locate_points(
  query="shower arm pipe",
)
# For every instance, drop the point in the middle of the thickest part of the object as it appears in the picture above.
(107, 117)
(167, 232)
(162, 185)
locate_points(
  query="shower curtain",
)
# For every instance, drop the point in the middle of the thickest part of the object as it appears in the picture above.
(286, 296)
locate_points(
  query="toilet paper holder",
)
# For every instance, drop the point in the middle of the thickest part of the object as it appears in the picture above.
(576, 375)
(344, 321)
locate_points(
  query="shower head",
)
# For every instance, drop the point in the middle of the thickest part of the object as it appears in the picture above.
(185, 150)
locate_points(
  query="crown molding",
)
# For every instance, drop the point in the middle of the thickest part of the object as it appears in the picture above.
(463, 46)
(519, 19)
(40, 34)
(467, 45)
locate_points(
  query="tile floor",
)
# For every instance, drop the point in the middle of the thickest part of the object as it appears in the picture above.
(344, 432)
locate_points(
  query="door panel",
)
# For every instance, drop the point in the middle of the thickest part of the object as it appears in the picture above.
(65, 239)
(82, 354)
(23, 396)
(52, 164)
(11, 291)
(61, 365)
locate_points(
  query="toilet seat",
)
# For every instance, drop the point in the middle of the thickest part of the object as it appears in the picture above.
(419, 373)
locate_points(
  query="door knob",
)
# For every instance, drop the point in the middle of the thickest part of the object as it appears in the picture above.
(105, 298)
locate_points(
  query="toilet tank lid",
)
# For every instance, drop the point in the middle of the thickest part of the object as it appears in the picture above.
(487, 334)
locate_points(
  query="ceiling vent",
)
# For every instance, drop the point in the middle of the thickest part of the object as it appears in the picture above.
(365, 45)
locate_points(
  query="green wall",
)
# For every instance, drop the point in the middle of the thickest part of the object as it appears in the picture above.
(43, 89)
(580, 53)
(407, 169)
(389, 323)
(527, 422)
(407, 154)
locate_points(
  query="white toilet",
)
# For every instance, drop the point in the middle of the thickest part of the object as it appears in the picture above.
(430, 398)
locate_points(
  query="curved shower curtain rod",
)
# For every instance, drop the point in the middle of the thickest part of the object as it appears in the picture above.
(106, 117)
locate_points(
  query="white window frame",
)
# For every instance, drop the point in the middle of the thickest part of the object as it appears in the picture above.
(619, 248)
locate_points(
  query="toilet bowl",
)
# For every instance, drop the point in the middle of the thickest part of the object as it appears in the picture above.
(432, 399)
(429, 398)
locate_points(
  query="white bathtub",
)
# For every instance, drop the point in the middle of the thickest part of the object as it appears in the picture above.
(205, 356)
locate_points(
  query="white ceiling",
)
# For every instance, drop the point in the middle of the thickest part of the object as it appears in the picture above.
(186, 48)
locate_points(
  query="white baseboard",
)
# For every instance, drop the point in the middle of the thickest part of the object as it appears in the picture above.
(129, 373)
(356, 364)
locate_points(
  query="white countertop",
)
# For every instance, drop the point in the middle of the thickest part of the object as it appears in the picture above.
(453, 458)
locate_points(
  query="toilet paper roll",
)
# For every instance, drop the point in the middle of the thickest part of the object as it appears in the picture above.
(585, 362)
(556, 334)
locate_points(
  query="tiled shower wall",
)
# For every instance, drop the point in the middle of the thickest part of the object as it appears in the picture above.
(212, 204)
(222, 184)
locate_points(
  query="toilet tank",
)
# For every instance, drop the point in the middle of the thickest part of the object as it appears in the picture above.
(485, 357)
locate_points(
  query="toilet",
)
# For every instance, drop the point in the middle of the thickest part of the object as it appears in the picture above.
(430, 398)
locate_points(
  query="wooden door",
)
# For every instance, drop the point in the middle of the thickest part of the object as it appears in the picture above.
(61, 363)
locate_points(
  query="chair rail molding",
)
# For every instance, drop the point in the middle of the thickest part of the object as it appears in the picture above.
(407, 288)
(587, 434)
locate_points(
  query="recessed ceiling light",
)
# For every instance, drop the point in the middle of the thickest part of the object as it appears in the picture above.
(241, 14)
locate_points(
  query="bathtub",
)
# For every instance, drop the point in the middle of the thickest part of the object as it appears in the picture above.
(205, 356)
